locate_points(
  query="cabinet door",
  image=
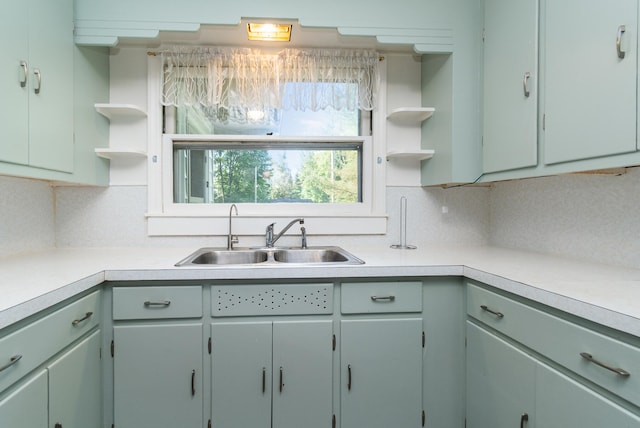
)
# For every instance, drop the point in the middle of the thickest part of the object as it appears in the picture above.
(75, 388)
(241, 375)
(500, 382)
(303, 374)
(26, 407)
(158, 375)
(14, 107)
(381, 373)
(589, 91)
(563, 403)
(510, 84)
(51, 110)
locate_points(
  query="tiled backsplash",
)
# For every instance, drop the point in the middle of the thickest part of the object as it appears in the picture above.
(26, 215)
(589, 217)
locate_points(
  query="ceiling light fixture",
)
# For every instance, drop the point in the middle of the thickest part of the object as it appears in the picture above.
(269, 32)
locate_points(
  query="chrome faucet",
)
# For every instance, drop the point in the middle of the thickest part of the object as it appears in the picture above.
(271, 239)
(231, 239)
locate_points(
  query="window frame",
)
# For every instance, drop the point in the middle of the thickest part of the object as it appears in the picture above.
(166, 218)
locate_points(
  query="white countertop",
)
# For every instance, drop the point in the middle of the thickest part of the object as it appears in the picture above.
(604, 294)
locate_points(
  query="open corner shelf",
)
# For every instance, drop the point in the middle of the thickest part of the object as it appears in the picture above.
(418, 155)
(111, 111)
(411, 114)
(120, 154)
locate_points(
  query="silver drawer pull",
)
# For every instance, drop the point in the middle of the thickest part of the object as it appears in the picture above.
(163, 303)
(621, 31)
(383, 298)
(25, 73)
(491, 311)
(590, 358)
(11, 362)
(79, 320)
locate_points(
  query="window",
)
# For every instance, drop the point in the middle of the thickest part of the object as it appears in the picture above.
(275, 161)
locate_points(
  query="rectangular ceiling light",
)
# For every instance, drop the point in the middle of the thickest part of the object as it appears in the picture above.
(269, 32)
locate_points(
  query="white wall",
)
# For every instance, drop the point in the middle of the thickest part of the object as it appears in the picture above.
(590, 217)
(26, 216)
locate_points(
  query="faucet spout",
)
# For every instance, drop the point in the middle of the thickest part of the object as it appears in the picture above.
(271, 239)
(231, 239)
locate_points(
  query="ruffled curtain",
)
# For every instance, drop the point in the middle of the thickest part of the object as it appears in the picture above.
(234, 81)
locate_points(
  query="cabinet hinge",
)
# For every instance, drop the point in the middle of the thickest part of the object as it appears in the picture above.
(113, 349)
(209, 346)
(333, 342)
(333, 421)
(424, 339)
(424, 418)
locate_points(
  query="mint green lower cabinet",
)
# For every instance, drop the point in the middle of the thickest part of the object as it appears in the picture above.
(241, 374)
(272, 374)
(75, 387)
(500, 382)
(26, 406)
(381, 373)
(561, 402)
(158, 375)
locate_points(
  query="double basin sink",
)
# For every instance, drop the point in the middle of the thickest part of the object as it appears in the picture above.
(270, 256)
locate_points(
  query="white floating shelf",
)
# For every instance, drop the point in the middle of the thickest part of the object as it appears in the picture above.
(112, 111)
(411, 114)
(413, 155)
(120, 154)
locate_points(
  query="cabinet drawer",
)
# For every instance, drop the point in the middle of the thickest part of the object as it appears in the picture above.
(381, 297)
(157, 302)
(276, 299)
(27, 348)
(561, 341)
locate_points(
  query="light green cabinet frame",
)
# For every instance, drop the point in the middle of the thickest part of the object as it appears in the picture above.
(590, 79)
(510, 111)
(272, 374)
(158, 375)
(380, 385)
(26, 407)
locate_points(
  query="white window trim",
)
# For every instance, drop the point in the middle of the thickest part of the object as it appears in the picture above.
(166, 218)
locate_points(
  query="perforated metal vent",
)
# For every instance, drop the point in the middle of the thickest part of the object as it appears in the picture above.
(289, 299)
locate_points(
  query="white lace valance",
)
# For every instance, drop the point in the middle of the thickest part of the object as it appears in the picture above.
(249, 79)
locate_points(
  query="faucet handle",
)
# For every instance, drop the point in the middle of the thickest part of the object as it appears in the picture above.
(303, 231)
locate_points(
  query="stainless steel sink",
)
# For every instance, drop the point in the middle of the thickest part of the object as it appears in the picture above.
(270, 256)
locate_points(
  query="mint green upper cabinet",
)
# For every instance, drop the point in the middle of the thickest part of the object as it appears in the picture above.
(381, 373)
(272, 374)
(75, 387)
(510, 84)
(158, 375)
(13, 84)
(36, 76)
(589, 89)
(51, 77)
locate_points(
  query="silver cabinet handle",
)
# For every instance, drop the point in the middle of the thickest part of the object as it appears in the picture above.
(11, 362)
(163, 303)
(79, 320)
(491, 311)
(524, 418)
(25, 73)
(36, 72)
(281, 380)
(525, 84)
(590, 358)
(383, 298)
(621, 30)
